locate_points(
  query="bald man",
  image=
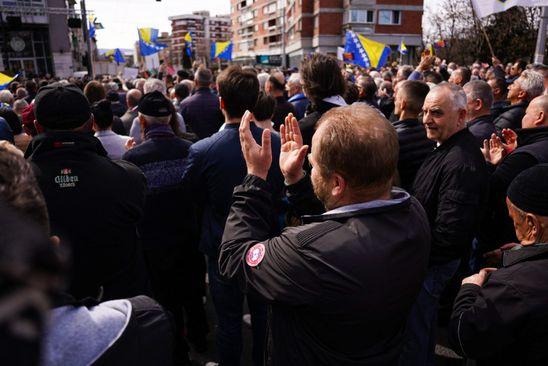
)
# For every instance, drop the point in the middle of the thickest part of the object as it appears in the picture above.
(132, 98)
(275, 87)
(532, 149)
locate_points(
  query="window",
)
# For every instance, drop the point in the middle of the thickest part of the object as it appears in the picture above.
(269, 9)
(388, 17)
(361, 16)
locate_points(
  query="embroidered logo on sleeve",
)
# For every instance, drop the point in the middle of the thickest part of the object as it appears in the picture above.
(255, 255)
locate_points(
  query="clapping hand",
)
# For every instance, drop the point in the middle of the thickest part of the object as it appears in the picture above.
(493, 150)
(258, 158)
(511, 139)
(293, 152)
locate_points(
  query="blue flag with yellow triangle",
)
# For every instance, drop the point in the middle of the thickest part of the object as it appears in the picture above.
(402, 48)
(364, 52)
(221, 50)
(5, 80)
(148, 43)
(115, 55)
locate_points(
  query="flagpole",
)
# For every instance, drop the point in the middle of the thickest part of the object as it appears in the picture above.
(541, 38)
(401, 54)
(87, 38)
(478, 20)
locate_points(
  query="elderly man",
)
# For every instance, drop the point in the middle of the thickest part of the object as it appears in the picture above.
(414, 145)
(133, 97)
(150, 86)
(529, 146)
(296, 96)
(275, 87)
(201, 111)
(524, 89)
(479, 99)
(500, 316)
(460, 76)
(329, 305)
(168, 228)
(451, 185)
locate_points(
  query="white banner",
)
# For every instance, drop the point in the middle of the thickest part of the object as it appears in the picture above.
(484, 8)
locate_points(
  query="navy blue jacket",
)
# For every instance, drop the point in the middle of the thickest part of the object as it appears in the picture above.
(300, 103)
(169, 218)
(214, 168)
(202, 113)
(482, 128)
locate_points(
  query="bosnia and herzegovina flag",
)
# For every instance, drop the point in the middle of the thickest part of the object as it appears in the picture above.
(115, 55)
(221, 50)
(91, 20)
(188, 44)
(365, 52)
(5, 80)
(402, 48)
(148, 41)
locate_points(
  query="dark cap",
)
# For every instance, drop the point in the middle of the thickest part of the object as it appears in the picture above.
(155, 104)
(528, 191)
(61, 107)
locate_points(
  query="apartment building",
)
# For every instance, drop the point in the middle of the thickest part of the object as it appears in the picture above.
(387, 21)
(264, 30)
(204, 29)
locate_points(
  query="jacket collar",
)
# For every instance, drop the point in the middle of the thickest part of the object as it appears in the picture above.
(296, 97)
(453, 140)
(527, 136)
(524, 253)
(323, 106)
(400, 198)
(480, 120)
(64, 141)
(408, 122)
(517, 105)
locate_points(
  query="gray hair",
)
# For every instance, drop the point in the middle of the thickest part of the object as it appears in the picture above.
(19, 105)
(154, 85)
(479, 89)
(151, 120)
(203, 76)
(6, 97)
(111, 86)
(294, 78)
(532, 82)
(457, 95)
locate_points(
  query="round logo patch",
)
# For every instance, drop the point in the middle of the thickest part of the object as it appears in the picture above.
(255, 255)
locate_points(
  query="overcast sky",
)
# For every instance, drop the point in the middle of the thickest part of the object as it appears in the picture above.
(121, 18)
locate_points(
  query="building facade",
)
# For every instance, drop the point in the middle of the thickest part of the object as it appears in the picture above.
(204, 29)
(264, 30)
(35, 38)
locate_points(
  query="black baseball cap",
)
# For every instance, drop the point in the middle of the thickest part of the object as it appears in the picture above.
(61, 107)
(155, 104)
(527, 191)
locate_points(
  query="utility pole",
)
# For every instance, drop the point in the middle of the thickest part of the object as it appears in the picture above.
(284, 63)
(5, 47)
(541, 38)
(87, 38)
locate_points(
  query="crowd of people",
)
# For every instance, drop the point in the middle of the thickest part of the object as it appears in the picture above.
(349, 208)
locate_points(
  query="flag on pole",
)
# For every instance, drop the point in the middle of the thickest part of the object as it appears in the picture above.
(364, 52)
(188, 44)
(402, 48)
(5, 80)
(440, 43)
(92, 28)
(484, 8)
(221, 50)
(148, 44)
(115, 55)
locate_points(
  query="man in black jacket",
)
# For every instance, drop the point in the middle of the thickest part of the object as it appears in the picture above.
(531, 149)
(451, 185)
(414, 145)
(479, 99)
(499, 89)
(201, 111)
(500, 316)
(275, 87)
(324, 85)
(94, 203)
(340, 286)
(524, 89)
(169, 228)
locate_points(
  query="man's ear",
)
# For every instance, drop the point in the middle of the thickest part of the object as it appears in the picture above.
(338, 185)
(55, 240)
(522, 94)
(539, 121)
(221, 103)
(533, 228)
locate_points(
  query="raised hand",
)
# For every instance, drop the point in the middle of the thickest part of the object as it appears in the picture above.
(510, 139)
(493, 150)
(257, 158)
(293, 152)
